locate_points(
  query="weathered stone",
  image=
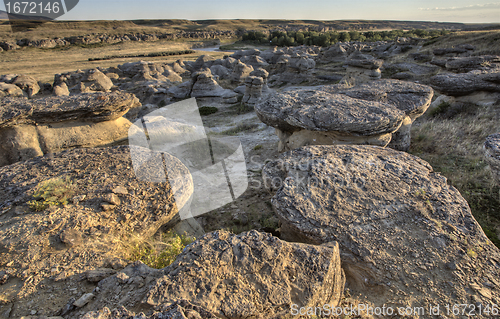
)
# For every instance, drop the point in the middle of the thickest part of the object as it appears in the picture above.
(240, 72)
(396, 221)
(254, 61)
(83, 300)
(28, 84)
(250, 275)
(96, 275)
(362, 68)
(71, 237)
(206, 88)
(334, 53)
(253, 90)
(319, 116)
(10, 90)
(467, 64)
(61, 89)
(492, 154)
(467, 83)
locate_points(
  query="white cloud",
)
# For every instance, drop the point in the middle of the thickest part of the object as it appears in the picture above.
(495, 5)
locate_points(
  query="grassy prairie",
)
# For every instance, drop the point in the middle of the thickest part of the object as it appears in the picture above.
(486, 42)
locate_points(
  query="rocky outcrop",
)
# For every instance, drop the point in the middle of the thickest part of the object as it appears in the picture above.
(462, 49)
(91, 80)
(332, 54)
(52, 124)
(240, 72)
(28, 84)
(492, 154)
(362, 68)
(336, 114)
(7, 90)
(207, 89)
(250, 275)
(151, 71)
(254, 61)
(106, 204)
(467, 83)
(399, 225)
(253, 91)
(467, 64)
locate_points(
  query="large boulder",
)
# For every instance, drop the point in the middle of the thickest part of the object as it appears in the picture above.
(467, 64)
(407, 238)
(332, 54)
(251, 275)
(253, 91)
(254, 61)
(467, 83)
(337, 114)
(106, 206)
(492, 154)
(52, 124)
(92, 80)
(362, 68)
(240, 72)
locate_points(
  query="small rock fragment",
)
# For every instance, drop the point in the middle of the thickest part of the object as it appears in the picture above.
(83, 300)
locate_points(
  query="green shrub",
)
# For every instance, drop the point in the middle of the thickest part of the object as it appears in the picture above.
(207, 110)
(161, 252)
(257, 147)
(55, 191)
(440, 109)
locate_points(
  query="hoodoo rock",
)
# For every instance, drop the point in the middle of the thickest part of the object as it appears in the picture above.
(407, 238)
(106, 204)
(336, 114)
(52, 124)
(208, 90)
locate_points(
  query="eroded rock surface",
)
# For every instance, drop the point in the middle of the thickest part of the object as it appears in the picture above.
(467, 83)
(406, 237)
(332, 114)
(107, 206)
(251, 275)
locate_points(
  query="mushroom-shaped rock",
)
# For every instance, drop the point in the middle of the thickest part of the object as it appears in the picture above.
(303, 117)
(52, 124)
(467, 83)
(363, 68)
(492, 154)
(251, 275)
(399, 225)
(82, 178)
(206, 88)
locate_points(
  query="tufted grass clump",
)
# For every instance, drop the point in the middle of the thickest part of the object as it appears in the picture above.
(207, 110)
(52, 192)
(158, 252)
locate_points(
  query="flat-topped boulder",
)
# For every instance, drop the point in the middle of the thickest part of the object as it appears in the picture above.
(48, 125)
(492, 154)
(467, 64)
(406, 237)
(106, 206)
(338, 114)
(362, 68)
(467, 83)
(251, 275)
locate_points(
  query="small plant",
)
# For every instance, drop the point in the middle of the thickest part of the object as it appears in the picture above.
(55, 191)
(257, 147)
(440, 109)
(207, 110)
(161, 252)
(471, 253)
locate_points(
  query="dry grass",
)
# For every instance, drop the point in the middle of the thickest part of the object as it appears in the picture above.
(453, 144)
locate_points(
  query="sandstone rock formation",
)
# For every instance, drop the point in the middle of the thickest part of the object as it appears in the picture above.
(7, 89)
(52, 124)
(28, 84)
(362, 68)
(336, 114)
(253, 91)
(92, 80)
(251, 275)
(240, 72)
(332, 54)
(467, 83)
(406, 237)
(467, 64)
(107, 205)
(492, 154)
(207, 89)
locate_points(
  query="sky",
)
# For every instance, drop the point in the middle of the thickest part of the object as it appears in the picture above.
(424, 10)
